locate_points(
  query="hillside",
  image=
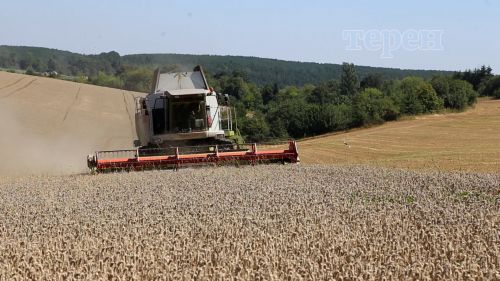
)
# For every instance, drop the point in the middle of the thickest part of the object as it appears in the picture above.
(259, 70)
(465, 141)
(49, 125)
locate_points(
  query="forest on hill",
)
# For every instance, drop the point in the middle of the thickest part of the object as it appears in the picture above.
(258, 70)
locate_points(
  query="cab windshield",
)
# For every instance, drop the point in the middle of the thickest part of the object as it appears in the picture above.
(187, 114)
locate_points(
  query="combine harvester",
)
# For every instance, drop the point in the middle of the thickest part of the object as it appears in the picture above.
(184, 122)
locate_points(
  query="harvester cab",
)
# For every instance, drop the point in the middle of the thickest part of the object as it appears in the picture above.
(183, 110)
(184, 122)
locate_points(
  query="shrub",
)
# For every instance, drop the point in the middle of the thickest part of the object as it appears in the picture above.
(496, 94)
(372, 107)
(490, 87)
(103, 79)
(418, 96)
(29, 71)
(456, 94)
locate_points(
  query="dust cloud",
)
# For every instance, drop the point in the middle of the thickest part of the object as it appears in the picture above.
(25, 152)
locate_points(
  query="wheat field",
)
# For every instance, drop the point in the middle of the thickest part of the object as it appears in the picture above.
(286, 223)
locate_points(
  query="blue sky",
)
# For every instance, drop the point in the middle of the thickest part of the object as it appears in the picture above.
(290, 30)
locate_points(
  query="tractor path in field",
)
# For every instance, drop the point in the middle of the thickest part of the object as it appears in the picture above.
(129, 116)
(75, 100)
(11, 93)
(13, 83)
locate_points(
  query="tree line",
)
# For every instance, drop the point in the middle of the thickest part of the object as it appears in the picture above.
(272, 112)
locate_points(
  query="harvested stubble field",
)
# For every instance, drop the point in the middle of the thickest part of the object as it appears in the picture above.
(49, 125)
(288, 222)
(466, 141)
